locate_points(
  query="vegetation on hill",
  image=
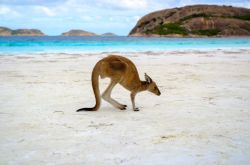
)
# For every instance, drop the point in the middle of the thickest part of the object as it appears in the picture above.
(176, 28)
(170, 28)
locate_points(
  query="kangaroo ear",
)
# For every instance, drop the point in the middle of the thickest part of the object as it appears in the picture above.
(148, 79)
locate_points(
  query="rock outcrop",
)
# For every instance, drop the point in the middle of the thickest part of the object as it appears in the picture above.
(108, 34)
(77, 32)
(196, 20)
(20, 32)
(5, 31)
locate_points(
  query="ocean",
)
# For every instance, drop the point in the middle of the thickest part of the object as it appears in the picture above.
(64, 44)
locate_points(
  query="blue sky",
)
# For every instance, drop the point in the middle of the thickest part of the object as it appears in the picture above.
(118, 16)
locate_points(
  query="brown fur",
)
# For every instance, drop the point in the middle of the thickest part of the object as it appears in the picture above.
(123, 71)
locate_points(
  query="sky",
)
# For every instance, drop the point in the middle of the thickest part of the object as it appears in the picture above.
(54, 17)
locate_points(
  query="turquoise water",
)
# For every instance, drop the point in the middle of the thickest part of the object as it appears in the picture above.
(62, 44)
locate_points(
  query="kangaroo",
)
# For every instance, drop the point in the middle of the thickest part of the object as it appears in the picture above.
(123, 71)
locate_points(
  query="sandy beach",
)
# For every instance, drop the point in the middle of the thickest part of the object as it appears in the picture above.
(202, 116)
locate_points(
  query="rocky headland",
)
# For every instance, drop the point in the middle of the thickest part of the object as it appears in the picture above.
(4, 31)
(77, 32)
(108, 34)
(195, 21)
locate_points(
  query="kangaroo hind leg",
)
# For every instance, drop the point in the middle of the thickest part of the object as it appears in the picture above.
(107, 96)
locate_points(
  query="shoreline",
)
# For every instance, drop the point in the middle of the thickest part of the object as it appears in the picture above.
(154, 52)
(140, 36)
(186, 36)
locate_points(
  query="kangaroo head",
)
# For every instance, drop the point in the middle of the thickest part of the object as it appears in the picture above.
(152, 87)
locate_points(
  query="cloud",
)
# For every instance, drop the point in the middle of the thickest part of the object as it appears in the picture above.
(31, 2)
(127, 4)
(4, 10)
(238, 3)
(45, 10)
(87, 18)
(8, 12)
(96, 15)
(108, 4)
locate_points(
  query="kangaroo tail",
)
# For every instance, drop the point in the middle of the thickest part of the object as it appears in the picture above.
(95, 86)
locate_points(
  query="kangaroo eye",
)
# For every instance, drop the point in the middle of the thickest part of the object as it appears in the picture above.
(155, 87)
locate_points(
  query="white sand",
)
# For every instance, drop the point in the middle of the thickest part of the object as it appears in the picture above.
(202, 116)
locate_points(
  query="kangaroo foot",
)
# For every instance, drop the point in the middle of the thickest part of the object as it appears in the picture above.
(122, 107)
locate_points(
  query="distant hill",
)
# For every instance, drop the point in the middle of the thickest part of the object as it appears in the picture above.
(196, 20)
(108, 34)
(4, 31)
(77, 32)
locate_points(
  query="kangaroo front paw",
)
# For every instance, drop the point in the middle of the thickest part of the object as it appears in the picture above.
(136, 109)
(123, 107)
